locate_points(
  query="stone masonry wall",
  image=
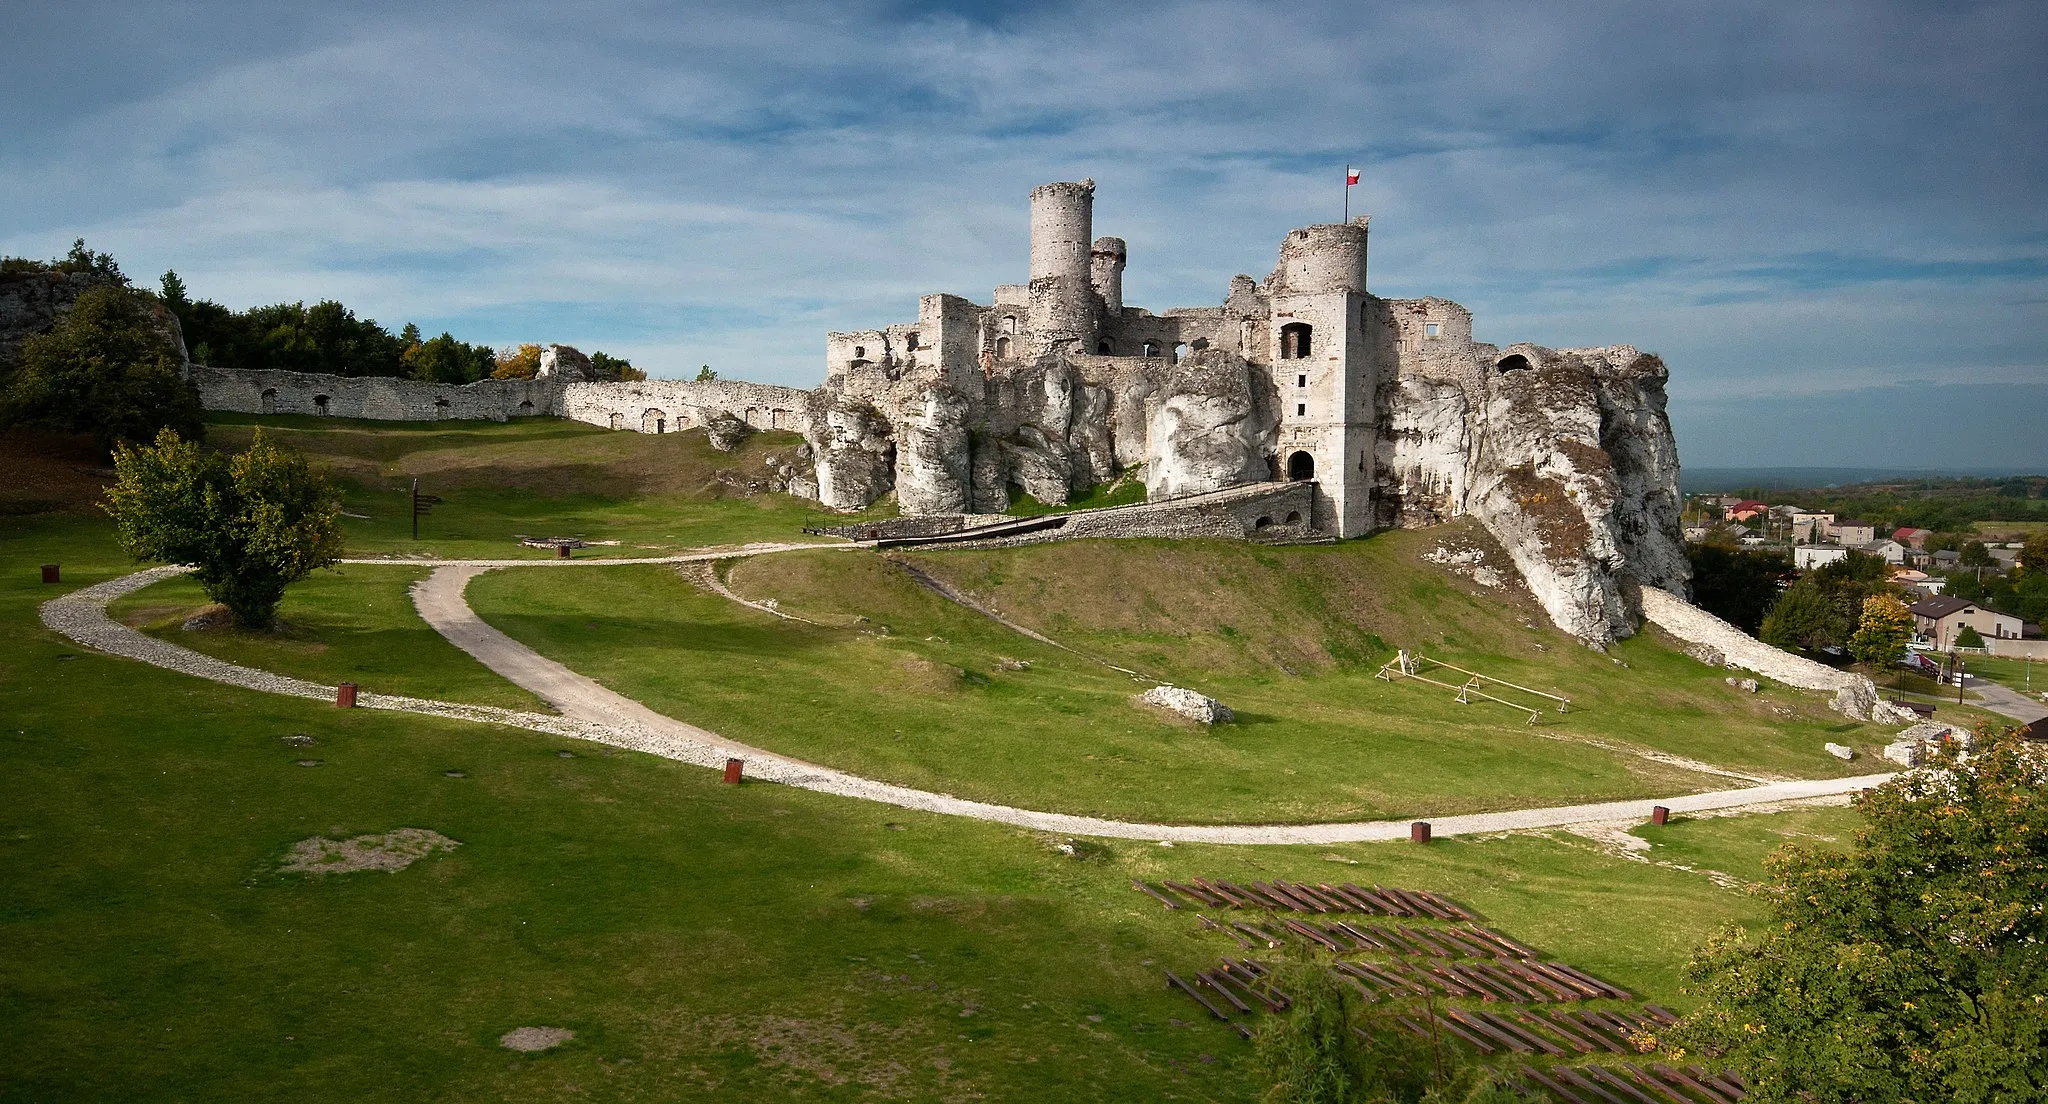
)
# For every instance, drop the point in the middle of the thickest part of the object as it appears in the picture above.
(381, 398)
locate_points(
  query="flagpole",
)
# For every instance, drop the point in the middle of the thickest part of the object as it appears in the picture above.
(1347, 192)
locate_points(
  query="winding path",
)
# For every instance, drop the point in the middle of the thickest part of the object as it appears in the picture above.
(589, 711)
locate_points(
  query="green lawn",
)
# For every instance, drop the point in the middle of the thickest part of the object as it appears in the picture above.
(499, 481)
(748, 943)
(895, 683)
(2026, 676)
(355, 623)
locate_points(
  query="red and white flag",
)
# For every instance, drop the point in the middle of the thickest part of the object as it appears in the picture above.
(1350, 177)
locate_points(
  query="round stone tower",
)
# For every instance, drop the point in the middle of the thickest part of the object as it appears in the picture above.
(1106, 261)
(1321, 259)
(1062, 292)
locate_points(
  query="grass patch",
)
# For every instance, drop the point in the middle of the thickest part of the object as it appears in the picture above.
(895, 683)
(2026, 676)
(354, 623)
(745, 943)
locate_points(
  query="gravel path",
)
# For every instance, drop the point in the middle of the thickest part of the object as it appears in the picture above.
(1999, 698)
(591, 712)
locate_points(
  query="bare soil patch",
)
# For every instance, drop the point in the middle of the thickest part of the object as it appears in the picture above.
(392, 851)
(527, 1040)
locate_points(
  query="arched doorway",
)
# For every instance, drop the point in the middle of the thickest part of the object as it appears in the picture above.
(1301, 466)
(653, 421)
(270, 400)
(1514, 362)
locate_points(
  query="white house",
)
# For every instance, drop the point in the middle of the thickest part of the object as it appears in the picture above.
(1892, 551)
(1808, 556)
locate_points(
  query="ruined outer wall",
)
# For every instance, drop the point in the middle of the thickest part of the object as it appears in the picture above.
(682, 404)
(381, 398)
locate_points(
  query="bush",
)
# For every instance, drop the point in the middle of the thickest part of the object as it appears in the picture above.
(1969, 638)
(251, 524)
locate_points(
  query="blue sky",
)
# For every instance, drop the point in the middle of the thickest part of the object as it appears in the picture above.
(1830, 218)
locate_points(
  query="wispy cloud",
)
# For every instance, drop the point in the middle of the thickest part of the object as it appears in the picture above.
(1791, 201)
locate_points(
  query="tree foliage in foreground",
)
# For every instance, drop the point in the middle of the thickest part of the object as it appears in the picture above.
(109, 367)
(1913, 967)
(251, 523)
(1883, 633)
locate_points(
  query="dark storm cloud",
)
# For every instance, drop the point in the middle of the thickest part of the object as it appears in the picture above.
(1805, 208)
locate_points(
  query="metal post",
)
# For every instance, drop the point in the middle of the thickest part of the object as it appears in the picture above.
(415, 509)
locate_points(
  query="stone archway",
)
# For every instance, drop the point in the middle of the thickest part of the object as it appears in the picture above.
(1301, 466)
(653, 421)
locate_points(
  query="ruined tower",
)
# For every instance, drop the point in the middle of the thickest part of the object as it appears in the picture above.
(1106, 272)
(1063, 312)
(1323, 369)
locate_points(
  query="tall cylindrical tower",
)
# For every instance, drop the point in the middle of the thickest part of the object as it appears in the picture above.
(1330, 257)
(1106, 263)
(1062, 295)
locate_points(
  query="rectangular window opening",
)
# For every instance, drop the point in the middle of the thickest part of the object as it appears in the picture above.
(1431, 329)
(1301, 381)
(1300, 408)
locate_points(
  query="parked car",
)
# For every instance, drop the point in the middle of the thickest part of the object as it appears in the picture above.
(1920, 664)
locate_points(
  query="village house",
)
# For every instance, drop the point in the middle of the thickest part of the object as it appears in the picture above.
(1748, 509)
(1920, 581)
(1912, 538)
(1850, 534)
(1810, 526)
(1892, 551)
(1808, 556)
(1938, 620)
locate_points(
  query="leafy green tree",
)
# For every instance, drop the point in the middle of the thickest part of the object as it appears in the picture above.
(1804, 618)
(2034, 555)
(1910, 967)
(1736, 585)
(1883, 633)
(1969, 638)
(109, 368)
(174, 293)
(1974, 554)
(251, 524)
(705, 374)
(446, 360)
(609, 367)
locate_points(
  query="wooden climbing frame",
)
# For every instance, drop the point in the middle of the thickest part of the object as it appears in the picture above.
(1404, 665)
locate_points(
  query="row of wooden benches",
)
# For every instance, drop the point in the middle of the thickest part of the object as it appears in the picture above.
(1534, 1031)
(1629, 1083)
(1513, 981)
(1319, 898)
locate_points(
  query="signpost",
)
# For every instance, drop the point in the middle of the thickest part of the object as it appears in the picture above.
(420, 505)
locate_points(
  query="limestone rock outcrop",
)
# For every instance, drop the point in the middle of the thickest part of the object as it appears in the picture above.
(1186, 703)
(726, 431)
(566, 363)
(1211, 430)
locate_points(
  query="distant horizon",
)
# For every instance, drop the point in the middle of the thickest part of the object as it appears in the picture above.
(1708, 479)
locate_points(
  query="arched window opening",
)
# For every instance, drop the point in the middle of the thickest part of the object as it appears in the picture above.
(1151, 348)
(1301, 466)
(618, 421)
(1102, 348)
(526, 407)
(652, 421)
(1294, 517)
(440, 408)
(1514, 362)
(1180, 349)
(270, 400)
(1002, 348)
(319, 404)
(910, 342)
(1009, 323)
(1297, 340)
(1263, 523)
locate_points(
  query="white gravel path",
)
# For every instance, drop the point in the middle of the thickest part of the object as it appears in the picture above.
(592, 712)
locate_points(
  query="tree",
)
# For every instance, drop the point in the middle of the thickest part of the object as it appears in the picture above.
(446, 360)
(1882, 635)
(609, 367)
(1974, 554)
(2034, 555)
(1805, 618)
(705, 374)
(109, 368)
(251, 524)
(517, 362)
(1969, 637)
(1909, 967)
(1735, 585)
(174, 293)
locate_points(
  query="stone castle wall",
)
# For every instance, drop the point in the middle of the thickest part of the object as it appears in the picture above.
(647, 406)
